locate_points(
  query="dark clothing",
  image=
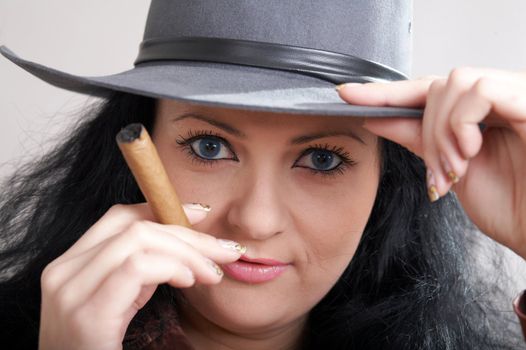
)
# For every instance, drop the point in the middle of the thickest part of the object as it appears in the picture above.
(155, 328)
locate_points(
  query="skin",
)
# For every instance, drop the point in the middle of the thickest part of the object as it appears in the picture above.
(490, 166)
(264, 194)
(280, 210)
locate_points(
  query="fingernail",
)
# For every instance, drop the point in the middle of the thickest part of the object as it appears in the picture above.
(197, 206)
(453, 177)
(450, 173)
(341, 86)
(431, 188)
(215, 267)
(238, 248)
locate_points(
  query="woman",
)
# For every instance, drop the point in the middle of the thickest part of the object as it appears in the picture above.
(358, 255)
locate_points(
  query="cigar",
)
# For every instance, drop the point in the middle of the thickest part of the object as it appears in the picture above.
(146, 166)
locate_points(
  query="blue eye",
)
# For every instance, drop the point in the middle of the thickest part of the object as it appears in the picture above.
(210, 148)
(207, 148)
(319, 159)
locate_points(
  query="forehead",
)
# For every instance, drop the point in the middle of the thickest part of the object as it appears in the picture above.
(168, 111)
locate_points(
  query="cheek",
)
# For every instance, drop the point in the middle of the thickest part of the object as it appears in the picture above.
(332, 227)
(328, 236)
(331, 242)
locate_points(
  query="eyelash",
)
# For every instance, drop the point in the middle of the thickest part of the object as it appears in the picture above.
(185, 143)
(346, 160)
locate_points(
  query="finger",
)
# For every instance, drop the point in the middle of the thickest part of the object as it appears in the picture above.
(500, 103)
(460, 81)
(219, 250)
(206, 244)
(445, 149)
(132, 284)
(506, 99)
(493, 101)
(405, 93)
(119, 217)
(440, 140)
(405, 131)
(409, 93)
(454, 165)
(85, 281)
(436, 183)
(442, 154)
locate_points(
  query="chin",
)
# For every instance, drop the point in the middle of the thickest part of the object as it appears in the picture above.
(245, 308)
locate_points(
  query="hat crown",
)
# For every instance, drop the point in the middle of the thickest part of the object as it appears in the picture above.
(376, 30)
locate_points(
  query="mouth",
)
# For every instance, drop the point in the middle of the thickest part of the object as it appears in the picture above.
(255, 270)
(262, 261)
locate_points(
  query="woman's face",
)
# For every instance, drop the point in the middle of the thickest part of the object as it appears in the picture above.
(296, 189)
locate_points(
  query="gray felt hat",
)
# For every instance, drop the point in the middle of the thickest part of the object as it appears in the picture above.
(274, 55)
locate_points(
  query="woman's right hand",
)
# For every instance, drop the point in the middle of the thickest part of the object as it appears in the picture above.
(91, 292)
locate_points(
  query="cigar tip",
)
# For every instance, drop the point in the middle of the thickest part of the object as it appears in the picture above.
(129, 133)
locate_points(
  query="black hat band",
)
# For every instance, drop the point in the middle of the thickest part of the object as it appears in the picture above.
(333, 67)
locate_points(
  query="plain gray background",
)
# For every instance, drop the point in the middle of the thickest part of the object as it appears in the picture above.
(100, 37)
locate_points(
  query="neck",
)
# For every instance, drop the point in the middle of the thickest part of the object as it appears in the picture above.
(204, 334)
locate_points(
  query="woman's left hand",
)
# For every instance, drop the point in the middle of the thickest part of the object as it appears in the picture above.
(486, 169)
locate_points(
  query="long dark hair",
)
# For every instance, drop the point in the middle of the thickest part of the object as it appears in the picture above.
(409, 286)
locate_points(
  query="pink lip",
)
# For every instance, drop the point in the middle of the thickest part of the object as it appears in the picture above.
(263, 261)
(254, 270)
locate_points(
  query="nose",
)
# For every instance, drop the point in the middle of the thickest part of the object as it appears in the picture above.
(258, 210)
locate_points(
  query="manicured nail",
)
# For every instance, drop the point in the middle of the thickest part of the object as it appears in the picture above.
(215, 267)
(431, 188)
(453, 177)
(238, 248)
(341, 86)
(197, 206)
(433, 193)
(450, 173)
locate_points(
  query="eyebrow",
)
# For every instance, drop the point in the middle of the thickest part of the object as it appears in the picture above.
(307, 138)
(224, 126)
(295, 141)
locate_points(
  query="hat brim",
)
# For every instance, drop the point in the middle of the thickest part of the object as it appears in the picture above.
(214, 84)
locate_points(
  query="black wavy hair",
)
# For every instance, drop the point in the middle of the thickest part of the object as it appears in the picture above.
(412, 283)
